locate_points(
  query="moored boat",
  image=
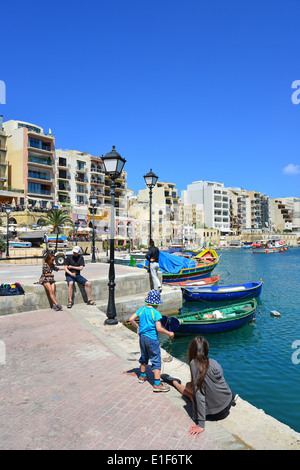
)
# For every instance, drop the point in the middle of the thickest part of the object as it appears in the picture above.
(210, 321)
(176, 268)
(220, 293)
(272, 245)
(205, 282)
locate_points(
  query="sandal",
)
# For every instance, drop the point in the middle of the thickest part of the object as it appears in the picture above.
(70, 304)
(90, 302)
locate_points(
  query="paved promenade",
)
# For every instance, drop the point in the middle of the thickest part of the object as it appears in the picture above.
(69, 382)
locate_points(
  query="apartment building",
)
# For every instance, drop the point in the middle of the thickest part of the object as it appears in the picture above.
(31, 162)
(78, 176)
(257, 211)
(5, 191)
(238, 209)
(213, 199)
(285, 213)
(166, 223)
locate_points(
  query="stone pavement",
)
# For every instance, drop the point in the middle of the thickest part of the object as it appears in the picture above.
(68, 381)
(62, 388)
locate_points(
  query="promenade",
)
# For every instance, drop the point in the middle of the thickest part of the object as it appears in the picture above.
(69, 382)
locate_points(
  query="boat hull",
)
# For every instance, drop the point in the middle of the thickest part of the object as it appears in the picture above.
(239, 315)
(189, 274)
(207, 281)
(222, 293)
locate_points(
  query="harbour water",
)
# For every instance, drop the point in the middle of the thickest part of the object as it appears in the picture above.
(261, 361)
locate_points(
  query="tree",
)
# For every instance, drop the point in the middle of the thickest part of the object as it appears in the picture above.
(56, 217)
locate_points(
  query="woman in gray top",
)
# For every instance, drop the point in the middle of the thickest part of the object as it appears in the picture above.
(208, 390)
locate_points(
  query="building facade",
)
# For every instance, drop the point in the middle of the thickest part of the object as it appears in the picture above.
(213, 199)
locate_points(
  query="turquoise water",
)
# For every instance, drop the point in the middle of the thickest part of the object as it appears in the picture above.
(259, 360)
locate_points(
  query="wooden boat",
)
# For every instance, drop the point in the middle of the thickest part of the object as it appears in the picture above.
(176, 269)
(206, 261)
(220, 293)
(205, 282)
(210, 321)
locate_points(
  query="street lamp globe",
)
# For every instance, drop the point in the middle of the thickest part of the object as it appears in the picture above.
(93, 200)
(150, 179)
(113, 163)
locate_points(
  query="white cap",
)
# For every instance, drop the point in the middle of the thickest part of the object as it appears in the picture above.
(76, 249)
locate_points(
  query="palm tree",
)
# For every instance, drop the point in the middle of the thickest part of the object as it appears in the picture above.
(56, 217)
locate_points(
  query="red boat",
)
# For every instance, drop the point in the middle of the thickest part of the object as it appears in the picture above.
(206, 282)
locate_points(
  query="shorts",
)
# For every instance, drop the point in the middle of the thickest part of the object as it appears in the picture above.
(78, 278)
(150, 350)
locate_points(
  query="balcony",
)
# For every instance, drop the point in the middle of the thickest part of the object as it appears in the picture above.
(40, 161)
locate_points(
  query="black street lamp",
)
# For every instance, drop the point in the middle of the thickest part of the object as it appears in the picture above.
(113, 164)
(76, 225)
(150, 180)
(8, 211)
(93, 202)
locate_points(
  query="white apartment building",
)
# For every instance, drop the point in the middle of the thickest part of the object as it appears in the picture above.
(213, 199)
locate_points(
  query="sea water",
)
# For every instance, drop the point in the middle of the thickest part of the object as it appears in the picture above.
(260, 361)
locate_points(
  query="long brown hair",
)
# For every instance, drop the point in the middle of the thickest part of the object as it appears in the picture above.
(198, 350)
(48, 257)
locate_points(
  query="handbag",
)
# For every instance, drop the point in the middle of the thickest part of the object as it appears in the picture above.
(11, 289)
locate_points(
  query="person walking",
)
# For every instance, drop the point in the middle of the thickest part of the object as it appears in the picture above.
(73, 266)
(153, 257)
(148, 329)
(208, 391)
(47, 279)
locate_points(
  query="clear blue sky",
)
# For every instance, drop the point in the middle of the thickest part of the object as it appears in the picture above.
(195, 90)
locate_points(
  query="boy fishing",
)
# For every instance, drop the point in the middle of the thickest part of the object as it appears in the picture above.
(148, 329)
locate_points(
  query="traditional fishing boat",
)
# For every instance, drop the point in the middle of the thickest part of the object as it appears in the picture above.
(211, 320)
(272, 245)
(220, 293)
(205, 282)
(176, 268)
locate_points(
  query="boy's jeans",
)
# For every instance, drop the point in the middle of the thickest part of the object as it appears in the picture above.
(150, 350)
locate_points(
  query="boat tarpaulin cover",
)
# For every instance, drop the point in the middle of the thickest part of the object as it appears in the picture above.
(173, 264)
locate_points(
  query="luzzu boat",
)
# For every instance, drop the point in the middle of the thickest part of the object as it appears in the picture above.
(178, 268)
(211, 320)
(205, 282)
(220, 293)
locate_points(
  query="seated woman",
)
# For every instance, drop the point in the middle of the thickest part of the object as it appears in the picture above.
(47, 279)
(209, 392)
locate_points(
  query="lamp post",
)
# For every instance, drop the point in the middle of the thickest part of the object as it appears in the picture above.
(113, 165)
(93, 202)
(150, 180)
(8, 211)
(76, 225)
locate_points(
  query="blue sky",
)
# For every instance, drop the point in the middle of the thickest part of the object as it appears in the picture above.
(195, 90)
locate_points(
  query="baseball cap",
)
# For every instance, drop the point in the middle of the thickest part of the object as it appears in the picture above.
(76, 249)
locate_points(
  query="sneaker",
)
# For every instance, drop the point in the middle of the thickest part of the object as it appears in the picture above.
(169, 378)
(56, 308)
(161, 388)
(141, 379)
(234, 399)
(59, 307)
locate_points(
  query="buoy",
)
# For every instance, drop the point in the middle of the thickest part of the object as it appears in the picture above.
(274, 249)
(274, 313)
(281, 249)
(267, 251)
